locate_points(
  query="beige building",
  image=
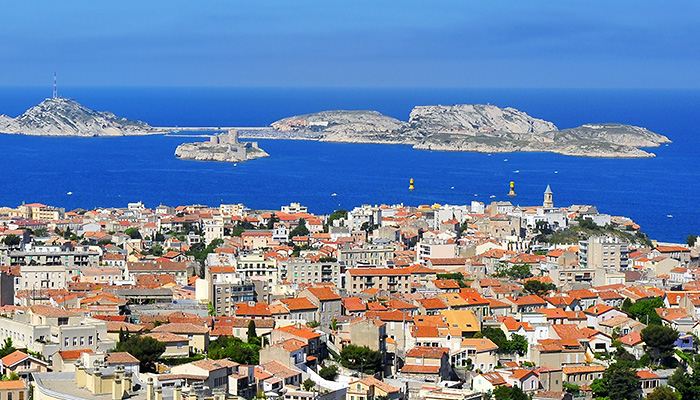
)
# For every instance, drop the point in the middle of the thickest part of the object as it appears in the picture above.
(175, 345)
(393, 280)
(603, 252)
(198, 336)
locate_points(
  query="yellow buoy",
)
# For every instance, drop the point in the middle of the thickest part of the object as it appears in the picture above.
(512, 189)
(410, 185)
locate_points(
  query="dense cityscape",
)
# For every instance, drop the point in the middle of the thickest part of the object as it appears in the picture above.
(435, 302)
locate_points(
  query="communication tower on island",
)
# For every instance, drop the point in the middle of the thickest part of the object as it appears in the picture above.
(55, 88)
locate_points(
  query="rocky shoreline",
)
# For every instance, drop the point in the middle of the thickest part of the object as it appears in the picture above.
(474, 128)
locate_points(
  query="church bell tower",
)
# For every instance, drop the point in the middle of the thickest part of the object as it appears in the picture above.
(548, 198)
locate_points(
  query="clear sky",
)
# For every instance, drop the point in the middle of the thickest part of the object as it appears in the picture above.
(376, 43)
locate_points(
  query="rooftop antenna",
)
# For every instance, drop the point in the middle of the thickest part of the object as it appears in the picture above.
(55, 88)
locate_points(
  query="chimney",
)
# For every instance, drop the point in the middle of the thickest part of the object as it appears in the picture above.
(177, 392)
(117, 390)
(149, 389)
(127, 387)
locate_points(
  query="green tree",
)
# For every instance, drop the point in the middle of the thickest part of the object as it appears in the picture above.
(660, 340)
(7, 348)
(361, 358)
(687, 385)
(210, 309)
(534, 286)
(234, 349)
(337, 214)
(12, 240)
(517, 344)
(691, 239)
(133, 233)
(329, 373)
(272, 221)
(504, 392)
(252, 335)
(41, 232)
(619, 382)
(156, 250)
(300, 229)
(146, 349)
(645, 310)
(308, 384)
(663, 393)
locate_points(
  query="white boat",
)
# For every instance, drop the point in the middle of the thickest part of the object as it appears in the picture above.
(669, 216)
(69, 193)
(493, 196)
(334, 194)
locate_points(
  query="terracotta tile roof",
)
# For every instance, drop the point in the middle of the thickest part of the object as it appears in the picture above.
(583, 370)
(299, 304)
(432, 303)
(428, 352)
(73, 354)
(167, 337)
(646, 374)
(121, 357)
(300, 331)
(480, 344)
(494, 378)
(258, 309)
(631, 339)
(532, 299)
(13, 358)
(12, 385)
(353, 304)
(598, 309)
(323, 293)
(521, 373)
(181, 328)
(582, 294)
(49, 311)
(420, 369)
(372, 381)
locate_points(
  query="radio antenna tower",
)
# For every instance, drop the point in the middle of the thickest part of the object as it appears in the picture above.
(55, 88)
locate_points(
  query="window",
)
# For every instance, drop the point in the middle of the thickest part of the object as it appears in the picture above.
(90, 341)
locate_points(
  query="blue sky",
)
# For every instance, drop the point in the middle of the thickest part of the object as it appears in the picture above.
(553, 44)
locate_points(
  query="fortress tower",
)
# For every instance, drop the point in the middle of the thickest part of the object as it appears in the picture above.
(548, 198)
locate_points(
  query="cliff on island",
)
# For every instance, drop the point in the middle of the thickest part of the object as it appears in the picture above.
(481, 128)
(66, 117)
(224, 147)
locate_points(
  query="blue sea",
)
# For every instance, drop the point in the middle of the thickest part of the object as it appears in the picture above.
(661, 193)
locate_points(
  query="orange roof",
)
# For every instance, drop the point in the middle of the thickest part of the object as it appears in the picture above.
(583, 370)
(427, 352)
(73, 354)
(420, 369)
(299, 304)
(12, 385)
(598, 309)
(13, 358)
(646, 374)
(323, 293)
(303, 332)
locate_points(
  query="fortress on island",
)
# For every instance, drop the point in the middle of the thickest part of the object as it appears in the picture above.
(223, 147)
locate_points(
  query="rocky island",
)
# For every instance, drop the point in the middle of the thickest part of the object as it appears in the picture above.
(224, 147)
(61, 116)
(481, 128)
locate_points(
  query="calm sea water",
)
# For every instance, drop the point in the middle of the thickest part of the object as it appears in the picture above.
(659, 193)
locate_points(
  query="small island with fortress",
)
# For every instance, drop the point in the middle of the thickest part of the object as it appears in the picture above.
(223, 147)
